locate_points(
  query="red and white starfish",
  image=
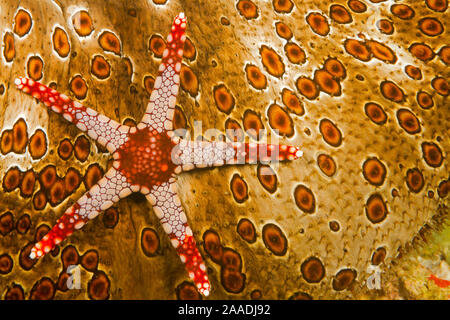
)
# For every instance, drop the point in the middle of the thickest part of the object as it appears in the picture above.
(147, 159)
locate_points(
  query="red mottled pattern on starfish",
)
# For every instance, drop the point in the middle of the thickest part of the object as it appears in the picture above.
(147, 159)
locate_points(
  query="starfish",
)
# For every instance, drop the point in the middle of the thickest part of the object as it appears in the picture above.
(147, 159)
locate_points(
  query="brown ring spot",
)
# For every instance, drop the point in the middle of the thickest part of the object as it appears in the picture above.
(271, 61)
(72, 180)
(408, 121)
(381, 51)
(255, 77)
(334, 226)
(326, 164)
(82, 23)
(27, 184)
(12, 179)
(391, 91)
(150, 242)
(318, 23)
(312, 270)
(414, 180)
(6, 223)
(110, 42)
(69, 256)
(437, 5)
(9, 50)
(330, 133)
(424, 100)
(157, 45)
(224, 98)
(274, 239)
(61, 283)
(35, 67)
(224, 21)
(57, 193)
(375, 113)
(234, 131)
(267, 177)
(110, 218)
(357, 6)
(307, 87)
(179, 120)
(374, 171)
(65, 149)
(149, 83)
(431, 27)
(61, 42)
(39, 200)
(187, 291)
(239, 188)
(6, 141)
(44, 289)
(282, 6)
(189, 51)
(376, 210)
(294, 53)
(37, 146)
(231, 259)
(280, 120)
(22, 23)
(378, 256)
(343, 279)
(340, 14)
(247, 9)
(23, 223)
(15, 292)
(89, 260)
(188, 80)
(402, 11)
(335, 68)
(48, 176)
(78, 86)
(93, 174)
(292, 102)
(232, 280)
(212, 245)
(441, 86)
(385, 26)
(421, 51)
(98, 286)
(444, 54)
(100, 67)
(256, 294)
(20, 136)
(24, 257)
(304, 198)
(432, 154)
(283, 30)
(357, 49)
(247, 231)
(300, 296)
(252, 123)
(413, 72)
(82, 148)
(444, 188)
(327, 83)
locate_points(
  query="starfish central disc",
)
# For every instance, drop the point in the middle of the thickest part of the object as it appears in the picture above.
(145, 159)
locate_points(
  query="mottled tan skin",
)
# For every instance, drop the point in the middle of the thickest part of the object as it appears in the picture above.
(222, 53)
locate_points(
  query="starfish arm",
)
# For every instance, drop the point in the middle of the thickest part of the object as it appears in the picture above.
(160, 109)
(105, 131)
(167, 207)
(112, 187)
(200, 154)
